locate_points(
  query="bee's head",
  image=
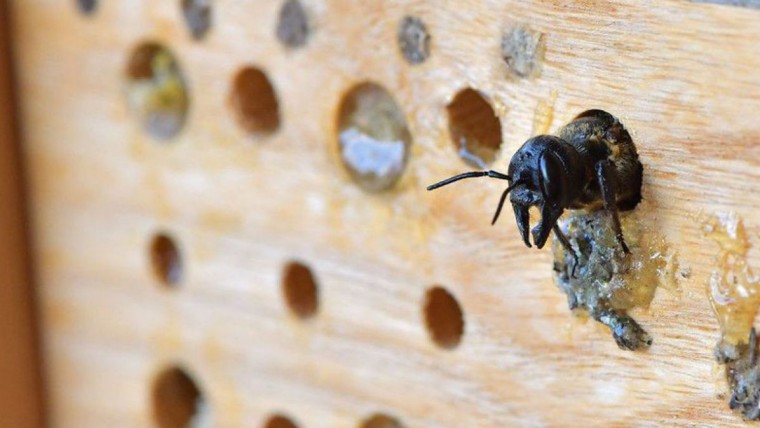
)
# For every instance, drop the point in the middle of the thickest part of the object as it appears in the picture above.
(547, 173)
(544, 172)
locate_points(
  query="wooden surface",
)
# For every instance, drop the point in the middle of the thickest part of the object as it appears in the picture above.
(20, 388)
(682, 76)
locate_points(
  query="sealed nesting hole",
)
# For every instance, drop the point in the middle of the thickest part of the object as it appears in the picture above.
(255, 102)
(607, 283)
(443, 317)
(293, 24)
(523, 50)
(381, 421)
(197, 15)
(156, 90)
(177, 400)
(474, 127)
(280, 421)
(373, 137)
(87, 7)
(300, 290)
(733, 293)
(166, 260)
(414, 40)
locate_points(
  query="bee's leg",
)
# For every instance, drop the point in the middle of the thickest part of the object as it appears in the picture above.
(607, 184)
(628, 334)
(566, 245)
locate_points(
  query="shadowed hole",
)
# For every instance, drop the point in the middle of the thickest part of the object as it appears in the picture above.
(474, 127)
(280, 421)
(166, 260)
(300, 290)
(373, 137)
(156, 90)
(381, 421)
(177, 400)
(443, 318)
(254, 102)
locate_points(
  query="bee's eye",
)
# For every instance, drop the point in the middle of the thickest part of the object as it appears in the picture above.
(551, 177)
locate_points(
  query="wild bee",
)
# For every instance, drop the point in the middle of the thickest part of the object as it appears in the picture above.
(591, 163)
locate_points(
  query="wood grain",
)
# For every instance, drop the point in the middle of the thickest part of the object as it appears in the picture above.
(20, 388)
(682, 76)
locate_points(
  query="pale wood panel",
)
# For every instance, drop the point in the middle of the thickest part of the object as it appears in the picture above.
(20, 388)
(682, 76)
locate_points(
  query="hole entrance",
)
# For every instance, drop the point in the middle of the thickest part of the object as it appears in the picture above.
(381, 421)
(443, 318)
(280, 421)
(156, 90)
(254, 101)
(177, 400)
(300, 290)
(474, 127)
(87, 7)
(373, 137)
(166, 260)
(197, 15)
(414, 40)
(293, 24)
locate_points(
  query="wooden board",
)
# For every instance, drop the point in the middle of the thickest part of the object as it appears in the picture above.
(682, 76)
(20, 389)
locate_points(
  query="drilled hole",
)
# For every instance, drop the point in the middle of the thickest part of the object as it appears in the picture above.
(197, 15)
(373, 137)
(87, 7)
(177, 400)
(254, 101)
(474, 127)
(156, 90)
(166, 259)
(280, 421)
(381, 421)
(300, 290)
(293, 24)
(443, 317)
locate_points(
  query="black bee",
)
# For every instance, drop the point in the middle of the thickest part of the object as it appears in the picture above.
(591, 163)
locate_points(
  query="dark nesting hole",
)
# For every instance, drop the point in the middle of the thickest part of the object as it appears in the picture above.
(413, 40)
(280, 421)
(197, 15)
(156, 90)
(475, 129)
(254, 102)
(373, 137)
(166, 259)
(381, 421)
(87, 7)
(300, 290)
(177, 400)
(443, 318)
(293, 24)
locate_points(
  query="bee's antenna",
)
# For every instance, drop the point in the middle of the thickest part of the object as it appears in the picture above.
(473, 174)
(502, 200)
